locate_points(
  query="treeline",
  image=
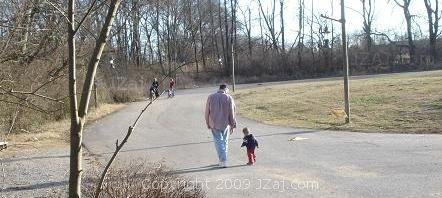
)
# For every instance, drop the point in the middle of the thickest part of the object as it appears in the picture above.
(195, 41)
(208, 36)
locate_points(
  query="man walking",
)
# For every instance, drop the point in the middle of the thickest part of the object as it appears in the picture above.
(220, 118)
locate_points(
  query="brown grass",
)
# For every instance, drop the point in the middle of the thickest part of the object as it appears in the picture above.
(400, 103)
(56, 133)
(142, 179)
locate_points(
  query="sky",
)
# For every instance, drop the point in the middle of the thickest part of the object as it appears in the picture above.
(388, 16)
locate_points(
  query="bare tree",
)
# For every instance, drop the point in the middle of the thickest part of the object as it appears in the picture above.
(214, 38)
(148, 32)
(158, 35)
(227, 40)
(433, 25)
(261, 33)
(332, 43)
(248, 29)
(312, 41)
(79, 113)
(201, 33)
(269, 20)
(411, 46)
(301, 8)
(282, 25)
(136, 37)
(368, 18)
(223, 42)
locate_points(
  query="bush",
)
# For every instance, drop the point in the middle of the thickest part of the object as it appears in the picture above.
(124, 95)
(141, 180)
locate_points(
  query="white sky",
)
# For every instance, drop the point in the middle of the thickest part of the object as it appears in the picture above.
(388, 16)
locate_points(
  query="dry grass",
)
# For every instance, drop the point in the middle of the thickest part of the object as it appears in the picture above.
(400, 103)
(56, 133)
(142, 179)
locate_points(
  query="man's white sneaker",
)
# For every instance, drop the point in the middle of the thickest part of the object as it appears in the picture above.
(223, 164)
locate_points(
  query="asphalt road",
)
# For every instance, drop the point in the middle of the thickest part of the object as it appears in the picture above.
(315, 164)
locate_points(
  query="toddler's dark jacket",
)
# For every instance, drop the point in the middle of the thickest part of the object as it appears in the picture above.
(250, 142)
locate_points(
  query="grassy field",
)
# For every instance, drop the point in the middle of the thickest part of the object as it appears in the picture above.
(398, 103)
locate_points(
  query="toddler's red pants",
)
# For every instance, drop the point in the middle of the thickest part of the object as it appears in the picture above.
(251, 155)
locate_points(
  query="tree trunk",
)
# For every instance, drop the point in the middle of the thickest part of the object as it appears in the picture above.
(200, 27)
(261, 34)
(227, 40)
(78, 115)
(407, 15)
(26, 23)
(282, 26)
(249, 33)
(312, 47)
(168, 40)
(270, 23)
(433, 27)
(75, 130)
(233, 4)
(221, 34)
(332, 37)
(214, 38)
(157, 30)
(136, 44)
(301, 31)
(368, 14)
(411, 45)
(195, 53)
(149, 43)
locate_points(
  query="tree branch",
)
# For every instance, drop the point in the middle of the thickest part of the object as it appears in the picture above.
(38, 95)
(85, 16)
(384, 35)
(95, 59)
(58, 10)
(119, 146)
(33, 107)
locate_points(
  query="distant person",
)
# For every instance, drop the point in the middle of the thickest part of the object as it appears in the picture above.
(155, 87)
(220, 119)
(250, 142)
(171, 88)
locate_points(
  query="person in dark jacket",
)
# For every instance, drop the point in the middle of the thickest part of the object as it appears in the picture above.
(155, 87)
(251, 143)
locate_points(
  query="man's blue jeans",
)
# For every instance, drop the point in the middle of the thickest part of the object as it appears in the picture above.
(221, 139)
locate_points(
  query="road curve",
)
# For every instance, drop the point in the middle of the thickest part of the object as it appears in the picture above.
(316, 164)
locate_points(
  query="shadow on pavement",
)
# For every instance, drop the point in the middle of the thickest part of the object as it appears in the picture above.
(35, 186)
(203, 169)
(288, 133)
(207, 142)
(32, 158)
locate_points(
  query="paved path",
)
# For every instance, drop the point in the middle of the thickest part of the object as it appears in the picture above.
(325, 164)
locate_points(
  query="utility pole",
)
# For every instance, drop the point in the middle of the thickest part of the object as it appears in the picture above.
(95, 93)
(233, 40)
(345, 60)
(233, 67)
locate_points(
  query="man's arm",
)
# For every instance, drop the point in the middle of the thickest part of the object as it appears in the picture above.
(207, 112)
(232, 119)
